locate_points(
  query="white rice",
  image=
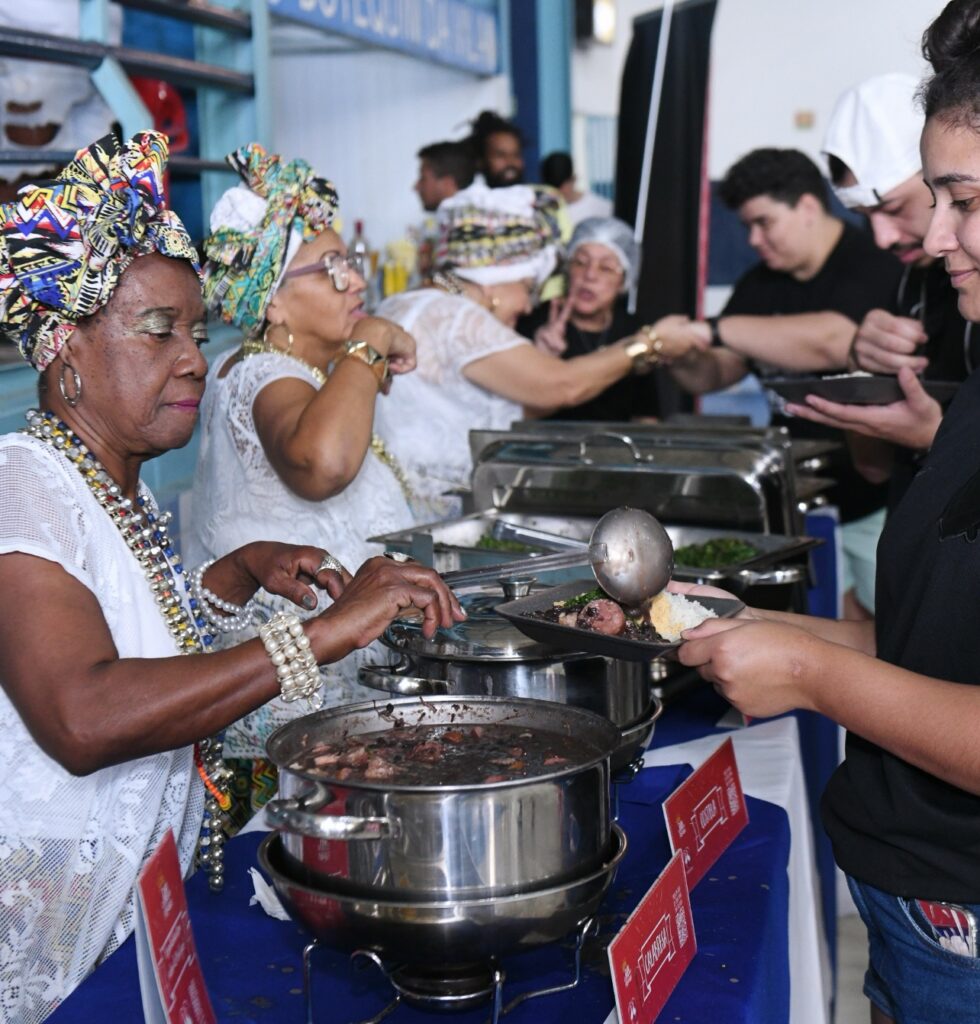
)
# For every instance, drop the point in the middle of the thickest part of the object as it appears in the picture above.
(670, 614)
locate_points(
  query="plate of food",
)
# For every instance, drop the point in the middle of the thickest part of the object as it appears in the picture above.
(854, 388)
(581, 617)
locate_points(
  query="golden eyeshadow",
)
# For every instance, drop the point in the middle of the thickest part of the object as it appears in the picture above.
(155, 321)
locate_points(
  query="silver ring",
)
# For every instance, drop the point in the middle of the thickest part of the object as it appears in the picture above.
(398, 556)
(329, 562)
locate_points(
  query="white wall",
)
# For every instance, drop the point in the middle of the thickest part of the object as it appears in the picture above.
(360, 115)
(770, 59)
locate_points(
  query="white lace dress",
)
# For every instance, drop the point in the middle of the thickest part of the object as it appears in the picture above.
(237, 498)
(427, 418)
(71, 847)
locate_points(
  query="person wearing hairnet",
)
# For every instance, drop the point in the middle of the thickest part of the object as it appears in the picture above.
(602, 262)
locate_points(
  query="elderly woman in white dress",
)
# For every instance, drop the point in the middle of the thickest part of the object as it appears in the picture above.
(107, 692)
(287, 451)
(497, 246)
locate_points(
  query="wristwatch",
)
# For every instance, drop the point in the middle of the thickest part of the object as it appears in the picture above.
(371, 357)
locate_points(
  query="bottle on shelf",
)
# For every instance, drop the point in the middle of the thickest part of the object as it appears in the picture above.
(358, 246)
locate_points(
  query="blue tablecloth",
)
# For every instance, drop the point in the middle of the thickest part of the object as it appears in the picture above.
(253, 966)
(697, 715)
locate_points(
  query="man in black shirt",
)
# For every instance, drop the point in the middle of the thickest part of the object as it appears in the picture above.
(798, 310)
(872, 147)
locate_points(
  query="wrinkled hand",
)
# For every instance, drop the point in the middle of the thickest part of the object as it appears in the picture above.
(380, 591)
(681, 336)
(912, 422)
(284, 569)
(762, 668)
(390, 340)
(550, 336)
(884, 343)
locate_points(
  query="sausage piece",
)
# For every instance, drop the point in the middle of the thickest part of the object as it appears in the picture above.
(602, 616)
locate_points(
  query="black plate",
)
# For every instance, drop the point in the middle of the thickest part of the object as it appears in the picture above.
(854, 389)
(584, 639)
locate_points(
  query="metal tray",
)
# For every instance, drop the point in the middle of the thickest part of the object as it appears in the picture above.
(584, 639)
(854, 389)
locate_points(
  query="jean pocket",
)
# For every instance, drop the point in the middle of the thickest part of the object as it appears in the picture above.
(923, 931)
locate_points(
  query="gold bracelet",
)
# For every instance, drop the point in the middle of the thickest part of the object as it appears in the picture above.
(373, 359)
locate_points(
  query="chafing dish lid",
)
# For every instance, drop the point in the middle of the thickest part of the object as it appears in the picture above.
(484, 636)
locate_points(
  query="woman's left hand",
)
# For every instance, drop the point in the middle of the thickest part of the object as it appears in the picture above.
(284, 569)
(763, 668)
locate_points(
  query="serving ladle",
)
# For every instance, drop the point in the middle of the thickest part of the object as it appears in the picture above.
(629, 552)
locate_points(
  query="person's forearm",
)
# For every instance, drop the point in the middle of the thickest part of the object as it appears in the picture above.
(859, 636)
(798, 342)
(326, 447)
(929, 723)
(699, 372)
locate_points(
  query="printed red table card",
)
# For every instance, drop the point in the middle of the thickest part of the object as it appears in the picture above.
(706, 812)
(171, 981)
(654, 947)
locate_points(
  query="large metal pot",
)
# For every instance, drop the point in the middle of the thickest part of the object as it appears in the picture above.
(444, 932)
(487, 656)
(445, 842)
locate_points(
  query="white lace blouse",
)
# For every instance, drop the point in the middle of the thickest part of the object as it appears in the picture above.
(71, 847)
(428, 415)
(238, 498)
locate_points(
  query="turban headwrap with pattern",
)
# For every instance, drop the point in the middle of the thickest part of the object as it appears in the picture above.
(65, 242)
(493, 235)
(256, 229)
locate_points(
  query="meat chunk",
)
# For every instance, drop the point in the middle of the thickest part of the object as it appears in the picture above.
(602, 616)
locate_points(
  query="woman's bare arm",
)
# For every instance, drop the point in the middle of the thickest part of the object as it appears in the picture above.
(88, 708)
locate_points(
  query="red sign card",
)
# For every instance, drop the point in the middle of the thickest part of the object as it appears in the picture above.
(706, 812)
(181, 995)
(654, 947)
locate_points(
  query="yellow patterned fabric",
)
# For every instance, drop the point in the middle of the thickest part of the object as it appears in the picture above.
(65, 242)
(245, 260)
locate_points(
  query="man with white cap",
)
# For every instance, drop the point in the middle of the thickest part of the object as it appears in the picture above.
(872, 147)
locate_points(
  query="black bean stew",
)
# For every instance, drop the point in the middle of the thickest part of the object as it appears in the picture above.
(446, 755)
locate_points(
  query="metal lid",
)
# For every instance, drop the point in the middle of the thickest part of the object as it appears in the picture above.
(484, 636)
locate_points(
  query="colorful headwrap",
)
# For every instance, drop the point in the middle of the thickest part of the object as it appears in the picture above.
(256, 229)
(65, 242)
(492, 235)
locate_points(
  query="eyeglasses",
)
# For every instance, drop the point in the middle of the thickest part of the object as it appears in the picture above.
(609, 270)
(336, 266)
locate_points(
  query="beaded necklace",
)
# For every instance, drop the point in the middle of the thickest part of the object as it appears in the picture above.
(144, 529)
(255, 346)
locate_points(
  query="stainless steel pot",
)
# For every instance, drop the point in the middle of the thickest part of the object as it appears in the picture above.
(487, 656)
(443, 932)
(618, 690)
(445, 842)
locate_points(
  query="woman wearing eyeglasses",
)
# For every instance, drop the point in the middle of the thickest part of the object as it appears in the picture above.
(602, 261)
(496, 248)
(287, 446)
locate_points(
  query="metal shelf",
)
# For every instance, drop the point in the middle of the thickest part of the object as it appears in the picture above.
(200, 12)
(84, 53)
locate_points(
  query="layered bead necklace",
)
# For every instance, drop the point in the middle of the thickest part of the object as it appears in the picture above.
(253, 347)
(144, 529)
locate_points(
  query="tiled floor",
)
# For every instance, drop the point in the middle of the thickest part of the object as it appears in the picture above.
(852, 959)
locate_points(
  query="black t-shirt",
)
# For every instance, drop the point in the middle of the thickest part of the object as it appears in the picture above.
(856, 277)
(893, 825)
(632, 396)
(953, 348)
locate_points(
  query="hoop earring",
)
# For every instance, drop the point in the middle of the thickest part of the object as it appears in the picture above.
(71, 399)
(289, 338)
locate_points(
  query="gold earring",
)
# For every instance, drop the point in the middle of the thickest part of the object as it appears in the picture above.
(73, 398)
(266, 341)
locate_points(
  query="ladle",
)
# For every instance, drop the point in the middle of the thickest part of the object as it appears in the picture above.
(630, 553)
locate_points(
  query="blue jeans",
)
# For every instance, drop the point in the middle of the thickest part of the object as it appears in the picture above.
(910, 976)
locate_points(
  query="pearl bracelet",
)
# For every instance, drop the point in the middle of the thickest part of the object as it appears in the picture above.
(236, 618)
(289, 650)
